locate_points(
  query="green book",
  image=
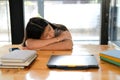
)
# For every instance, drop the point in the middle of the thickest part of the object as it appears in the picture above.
(110, 61)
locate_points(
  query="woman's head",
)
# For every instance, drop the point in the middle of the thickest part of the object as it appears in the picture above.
(48, 33)
(35, 27)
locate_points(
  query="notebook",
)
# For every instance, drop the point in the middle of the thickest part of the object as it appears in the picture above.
(72, 62)
(3, 66)
(26, 63)
(110, 61)
(18, 59)
(18, 56)
(112, 54)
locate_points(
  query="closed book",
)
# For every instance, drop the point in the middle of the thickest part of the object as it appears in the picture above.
(27, 63)
(7, 66)
(18, 59)
(110, 57)
(18, 56)
(110, 61)
(112, 53)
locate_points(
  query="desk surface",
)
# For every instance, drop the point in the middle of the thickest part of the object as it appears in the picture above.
(39, 71)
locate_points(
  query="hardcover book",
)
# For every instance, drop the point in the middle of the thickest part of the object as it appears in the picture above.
(110, 61)
(18, 56)
(113, 53)
(111, 56)
(18, 59)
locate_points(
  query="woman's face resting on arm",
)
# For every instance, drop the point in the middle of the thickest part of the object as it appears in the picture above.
(41, 34)
(48, 33)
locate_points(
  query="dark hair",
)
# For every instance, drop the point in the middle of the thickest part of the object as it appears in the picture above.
(35, 28)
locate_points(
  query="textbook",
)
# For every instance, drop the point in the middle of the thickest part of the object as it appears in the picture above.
(18, 59)
(3, 66)
(110, 61)
(18, 56)
(113, 53)
(112, 56)
(27, 63)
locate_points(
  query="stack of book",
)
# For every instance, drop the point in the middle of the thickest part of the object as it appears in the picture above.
(111, 56)
(18, 59)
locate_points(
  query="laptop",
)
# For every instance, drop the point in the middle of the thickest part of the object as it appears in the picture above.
(72, 62)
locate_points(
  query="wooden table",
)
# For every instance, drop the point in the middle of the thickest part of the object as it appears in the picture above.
(39, 71)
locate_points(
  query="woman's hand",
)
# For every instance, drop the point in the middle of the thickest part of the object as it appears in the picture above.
(64, 35)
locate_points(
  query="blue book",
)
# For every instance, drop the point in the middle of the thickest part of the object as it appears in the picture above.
(113, 53)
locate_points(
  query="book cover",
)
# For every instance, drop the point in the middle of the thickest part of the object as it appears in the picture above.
(18, 56)
(110, 61)
(27, 63)
(2, 66)
(110, 57)
(112, 53)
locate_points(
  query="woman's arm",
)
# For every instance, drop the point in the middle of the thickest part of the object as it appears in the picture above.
(38, 43)
(63, 45)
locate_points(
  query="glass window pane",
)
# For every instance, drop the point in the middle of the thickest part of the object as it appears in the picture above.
(82, 17)
(31, 9)
(115, 22)
(5, 34)
(118, 20)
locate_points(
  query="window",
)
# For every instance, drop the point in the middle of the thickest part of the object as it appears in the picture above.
(5, 33)
(82, 17)
(85, 25)
(32, 8)
(115, 22)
